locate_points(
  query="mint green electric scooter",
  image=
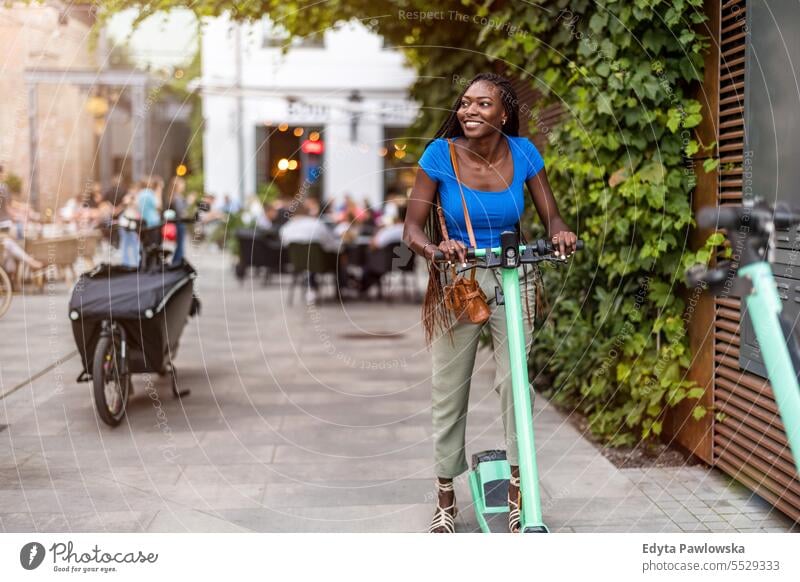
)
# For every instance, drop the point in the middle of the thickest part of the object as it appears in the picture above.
(491, 472)
(752, 228)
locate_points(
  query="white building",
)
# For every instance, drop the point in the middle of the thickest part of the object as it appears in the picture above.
(263, 109)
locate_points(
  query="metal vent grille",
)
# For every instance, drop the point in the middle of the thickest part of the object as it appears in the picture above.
(749, 440)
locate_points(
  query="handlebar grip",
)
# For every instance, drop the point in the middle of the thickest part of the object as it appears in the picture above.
(579, 245)
(721, 217)
(784, 216)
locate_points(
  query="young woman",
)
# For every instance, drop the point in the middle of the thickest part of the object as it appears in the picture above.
(494, 164)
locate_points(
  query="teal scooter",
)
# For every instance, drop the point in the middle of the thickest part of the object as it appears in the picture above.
(752, 228)
(490, 474)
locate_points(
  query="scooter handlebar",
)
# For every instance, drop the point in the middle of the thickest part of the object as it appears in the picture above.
(758, 217)
(535, 246)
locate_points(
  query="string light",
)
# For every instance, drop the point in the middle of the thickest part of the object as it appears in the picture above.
(298, 131)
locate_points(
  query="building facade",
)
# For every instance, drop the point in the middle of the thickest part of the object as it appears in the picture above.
(53, 36)
(322, 118)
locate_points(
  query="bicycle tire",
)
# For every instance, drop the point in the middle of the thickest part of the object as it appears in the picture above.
(5, 292)
(106, 361)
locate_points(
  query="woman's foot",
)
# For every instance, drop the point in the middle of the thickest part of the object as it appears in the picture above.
(444, 518)
(514, 501)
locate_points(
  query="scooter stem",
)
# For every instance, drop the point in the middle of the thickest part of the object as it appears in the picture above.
(531, 515)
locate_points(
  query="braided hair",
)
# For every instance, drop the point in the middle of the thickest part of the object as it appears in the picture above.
(435, 316)
(452, 128)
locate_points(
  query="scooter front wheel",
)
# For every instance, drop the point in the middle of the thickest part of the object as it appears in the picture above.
(111, 387)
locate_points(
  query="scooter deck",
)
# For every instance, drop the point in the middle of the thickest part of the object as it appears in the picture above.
(488, 483)
(495, 522)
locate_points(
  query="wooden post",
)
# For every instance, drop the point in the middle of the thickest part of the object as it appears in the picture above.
(696, 436)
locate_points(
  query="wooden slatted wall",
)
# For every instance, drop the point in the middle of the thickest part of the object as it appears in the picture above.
(749, 442)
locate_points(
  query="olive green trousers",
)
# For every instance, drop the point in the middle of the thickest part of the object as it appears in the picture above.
(453, 363)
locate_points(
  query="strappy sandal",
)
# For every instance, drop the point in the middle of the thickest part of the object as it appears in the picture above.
(514, 507)
(442, 517)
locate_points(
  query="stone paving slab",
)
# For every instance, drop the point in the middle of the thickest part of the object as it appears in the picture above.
(301, 419)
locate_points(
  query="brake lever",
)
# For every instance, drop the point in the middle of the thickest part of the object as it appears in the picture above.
(467, 267)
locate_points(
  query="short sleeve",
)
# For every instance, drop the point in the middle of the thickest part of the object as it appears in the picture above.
(431, 161)
(533, 159)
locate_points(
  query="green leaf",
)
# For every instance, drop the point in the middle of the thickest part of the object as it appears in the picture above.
(710, 164)
(673, 120)
(598, 21)
(695, 393)
(699, 412)
(604, 106)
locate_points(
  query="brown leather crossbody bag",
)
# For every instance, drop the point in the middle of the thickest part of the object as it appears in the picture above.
(463, 296)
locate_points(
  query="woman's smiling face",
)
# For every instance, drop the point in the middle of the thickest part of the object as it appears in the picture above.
(481, 110)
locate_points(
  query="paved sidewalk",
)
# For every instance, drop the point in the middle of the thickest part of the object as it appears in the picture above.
(300, 419)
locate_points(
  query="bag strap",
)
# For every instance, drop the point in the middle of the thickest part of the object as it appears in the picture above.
(463, 199)
(442, 223)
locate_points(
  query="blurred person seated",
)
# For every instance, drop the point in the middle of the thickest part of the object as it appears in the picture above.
(385, 237)
(15, 215)
(263, 220)
(12, 254)
(76, 213)
(349, 211)
(390, 210)
(252, 210)
(304, 228)
(115, 191)
(229, 205)
(102, 210)
(369, 223)
(281, 211)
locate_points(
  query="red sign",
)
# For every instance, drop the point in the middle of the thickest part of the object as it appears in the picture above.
(312, 147)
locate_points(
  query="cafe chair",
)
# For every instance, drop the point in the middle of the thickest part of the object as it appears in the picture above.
(398, 258)
(308, 258)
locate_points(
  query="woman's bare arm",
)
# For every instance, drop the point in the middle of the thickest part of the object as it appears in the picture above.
(420, 204)
(546, 206)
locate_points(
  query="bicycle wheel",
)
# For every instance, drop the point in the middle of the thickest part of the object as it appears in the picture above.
(5, 292)
(111, 389)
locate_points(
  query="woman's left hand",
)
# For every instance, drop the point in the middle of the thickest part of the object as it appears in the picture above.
(564, 242)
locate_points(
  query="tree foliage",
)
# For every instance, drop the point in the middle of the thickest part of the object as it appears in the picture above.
(620, 165)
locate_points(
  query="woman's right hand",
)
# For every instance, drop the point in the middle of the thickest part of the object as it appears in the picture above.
(452, 250)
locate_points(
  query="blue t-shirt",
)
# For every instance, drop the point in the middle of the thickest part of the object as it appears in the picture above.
(490, 212)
